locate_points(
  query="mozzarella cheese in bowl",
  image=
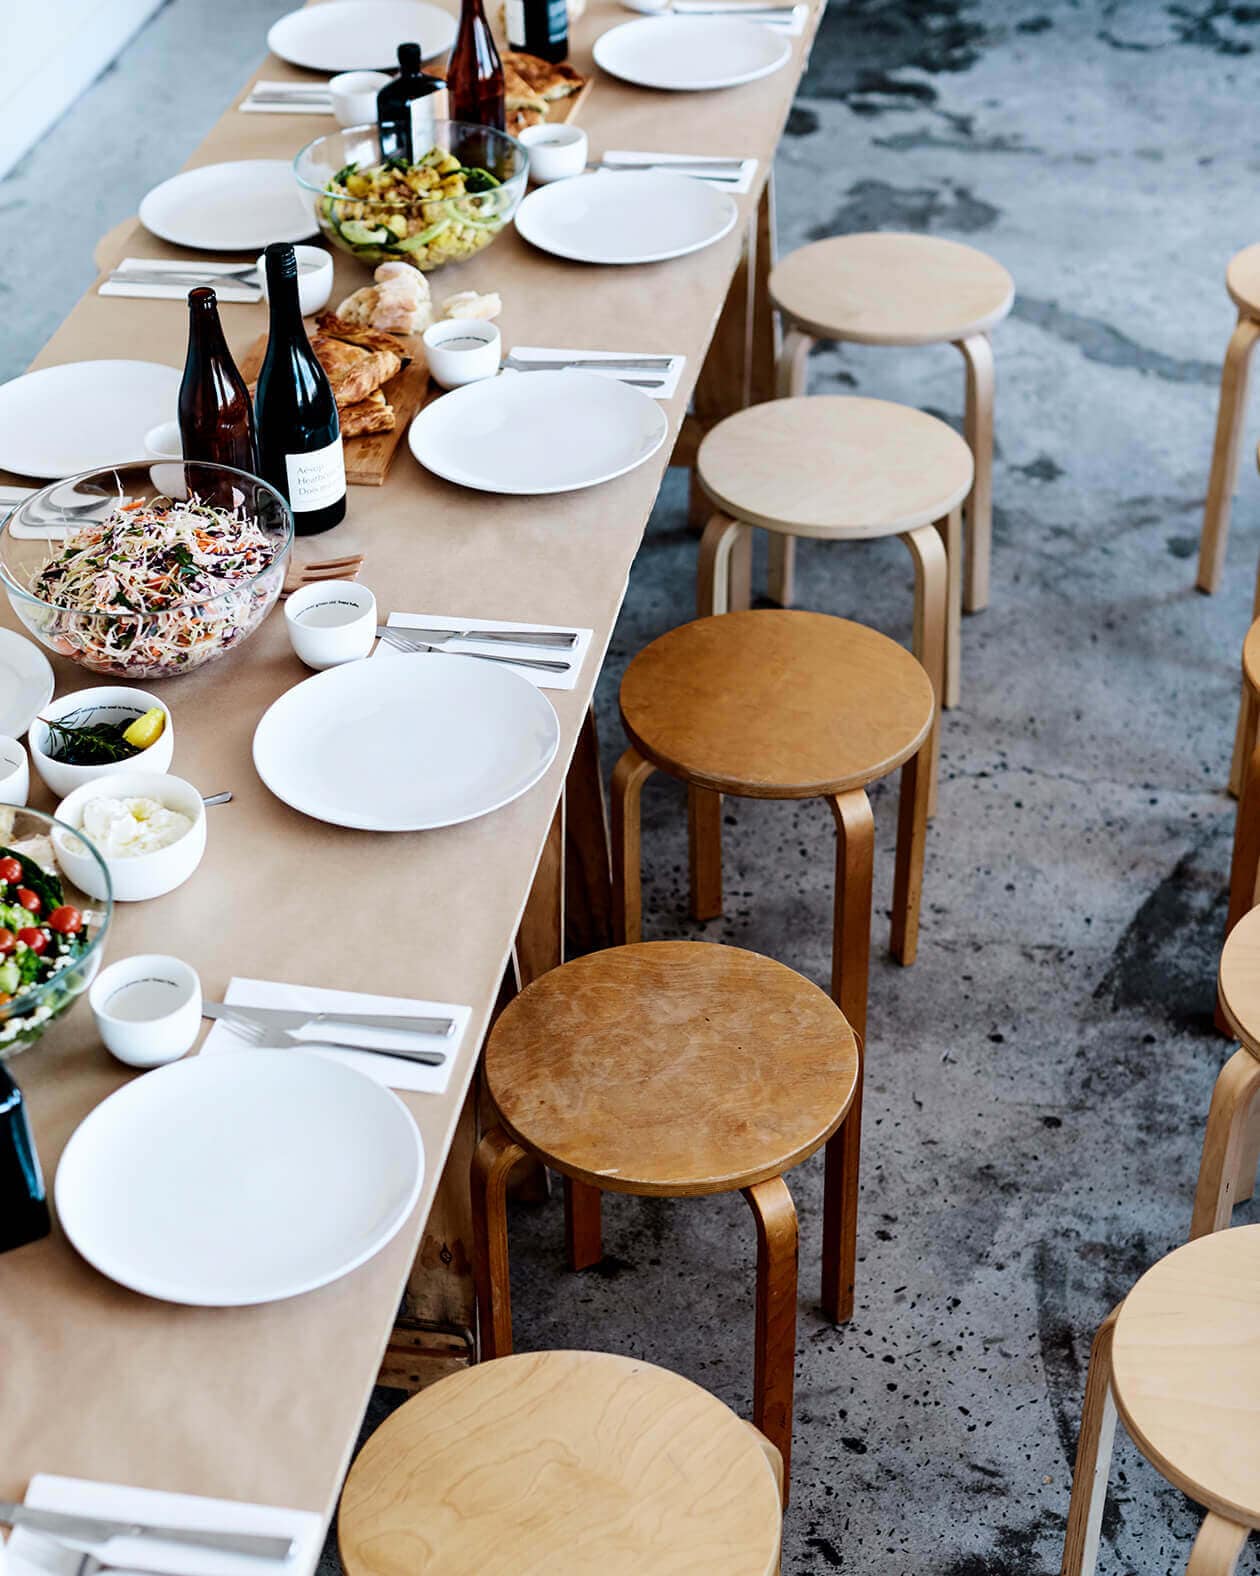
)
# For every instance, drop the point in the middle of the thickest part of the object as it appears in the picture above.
(124, 828)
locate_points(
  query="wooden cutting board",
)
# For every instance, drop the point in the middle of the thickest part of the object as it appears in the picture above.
(368, 457)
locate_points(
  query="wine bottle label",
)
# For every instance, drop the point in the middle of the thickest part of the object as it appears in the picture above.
(317, 479)
(516, 23)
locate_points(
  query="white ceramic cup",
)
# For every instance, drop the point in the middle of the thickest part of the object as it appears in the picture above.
(331, 622)
(315, 277)
(163, 442)
(555, 152)
(147, 1009)
(462, 350)
(354, 96)
(117, 703)
(15, 772)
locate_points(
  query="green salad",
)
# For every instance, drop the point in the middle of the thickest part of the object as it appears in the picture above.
(41, 936)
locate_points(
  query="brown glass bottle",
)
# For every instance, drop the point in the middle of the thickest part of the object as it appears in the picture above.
(474, 75)
(216, 420)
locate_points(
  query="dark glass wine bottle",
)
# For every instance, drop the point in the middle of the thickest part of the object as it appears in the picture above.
(299, 432)
(23, 1203)
(539, 27)
(216, 421)
(474, 75)
(404, 109)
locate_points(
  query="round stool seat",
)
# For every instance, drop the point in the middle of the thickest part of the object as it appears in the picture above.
(557, 1462)
(1238, 984)
(776, 704)
(1186, 1359)
(1242, 280)
(833, 465)
(888, 288)
(1251, 657)
(672, 1067)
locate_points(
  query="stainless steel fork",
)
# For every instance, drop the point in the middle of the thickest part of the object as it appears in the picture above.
(254, 1034)
(403, 640)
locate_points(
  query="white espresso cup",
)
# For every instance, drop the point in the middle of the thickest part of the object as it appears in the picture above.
(330, 622)
(147, 1009)
(315, 277)
(555, 152)
(15, 772)
(462, 350)
(354, 96)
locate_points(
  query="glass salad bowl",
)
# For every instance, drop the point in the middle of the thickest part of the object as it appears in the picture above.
(446, 206)
(41, 979)
(147, 570)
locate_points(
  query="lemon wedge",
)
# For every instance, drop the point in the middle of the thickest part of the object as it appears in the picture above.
(146, 730)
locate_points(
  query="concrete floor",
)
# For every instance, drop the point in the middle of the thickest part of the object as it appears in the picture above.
(1038, 1082)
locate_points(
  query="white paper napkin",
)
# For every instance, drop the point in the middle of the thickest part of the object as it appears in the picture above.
(668, 372)
(294, 104)
(574, 655)
(744, 172)
(226, 289)
(790, 22)
(391, 1071)
(34, 1554)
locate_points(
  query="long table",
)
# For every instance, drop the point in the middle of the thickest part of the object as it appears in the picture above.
(265, 1403)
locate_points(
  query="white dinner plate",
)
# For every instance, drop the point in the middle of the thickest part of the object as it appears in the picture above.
(360, 35)
(527, 433)
(689, 54)
(406, 743)
(631, 216)
(26, 683)
(242, 1178)
(83, 415)
(237, 207)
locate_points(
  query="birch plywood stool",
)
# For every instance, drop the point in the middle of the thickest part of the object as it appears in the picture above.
(784, 705)
(1242, 280)
(1244, 869)
(674, 1069)
(1179, 1360)
(1231, 1143)
(843, 469)
(555, 1463)
(891, 289)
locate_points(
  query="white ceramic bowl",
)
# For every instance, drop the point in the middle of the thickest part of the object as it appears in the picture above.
(135, 877)
(105, 703)
(315, 277)
(462, 350)
(147, 1009)
(556, 152)
(330, 622)
(15, 772)
(164, 442)
(354, 96)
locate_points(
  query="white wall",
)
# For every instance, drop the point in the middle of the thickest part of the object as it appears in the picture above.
(50, 50)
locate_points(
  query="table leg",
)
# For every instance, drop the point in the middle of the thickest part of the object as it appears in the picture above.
(587, 862)
(540, 939)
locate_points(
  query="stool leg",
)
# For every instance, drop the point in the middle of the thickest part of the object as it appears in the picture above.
(717, 569)
(931, 623)
(774, 1371)
(1245, 863)
(704, 851)
(582, 1235)
(1224, 473)
(492, 1164)
(977, 354)
(1093, 1458)
(791, 373)
(912, 813)
(1244, 738)
(1228, 1145)
(1217, 1547)
(628, 777)
(850, 966)
(950, 531)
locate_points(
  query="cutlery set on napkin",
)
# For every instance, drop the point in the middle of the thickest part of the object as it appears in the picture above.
(549, 656)
(288, 98)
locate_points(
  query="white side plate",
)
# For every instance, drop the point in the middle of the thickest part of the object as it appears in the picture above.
(237, 207)
(691, 54)
(624, 217)
(360, 35)
(244, 1178)
(83, 415)
(408, 744)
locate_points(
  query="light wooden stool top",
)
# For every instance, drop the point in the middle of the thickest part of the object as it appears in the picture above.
(1238, 983)
(776, 704)
(888, 288)
(1242, 280)
(1186, 1370)
(559, 1463)
(833, 465)
(672, 1067)
(1251, 654)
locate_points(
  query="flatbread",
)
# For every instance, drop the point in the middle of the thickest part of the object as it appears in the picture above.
(542, 78)
(373, 414)
(357, 359)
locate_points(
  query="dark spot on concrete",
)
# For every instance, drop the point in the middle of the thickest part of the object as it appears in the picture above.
(1183, 546)
(610, 1267)
(801, 122)
(855, 1446)
(1099, 341)
(925, 137)
(1043, 469)
(1034, 24)
(1052, 1121)
(876, 205)
(827, 1549)
(1014, 1552)
(861, 45)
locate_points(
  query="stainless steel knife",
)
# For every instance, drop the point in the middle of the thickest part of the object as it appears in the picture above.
(291, 1020)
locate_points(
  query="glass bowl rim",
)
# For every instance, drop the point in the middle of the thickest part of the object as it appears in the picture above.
(123, 614)
(395, 203)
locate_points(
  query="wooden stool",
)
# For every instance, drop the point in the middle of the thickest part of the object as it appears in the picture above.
(843, 469)
(560, 1463)
(1180, 1359)
(1242, 280)
(888, 288)
(673, 1069)
(1231, 1144)
(1245, 779)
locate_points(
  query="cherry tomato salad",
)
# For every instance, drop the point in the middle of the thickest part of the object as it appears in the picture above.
(40, 933)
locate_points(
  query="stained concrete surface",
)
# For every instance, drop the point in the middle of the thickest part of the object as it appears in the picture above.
(1038, 1081)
